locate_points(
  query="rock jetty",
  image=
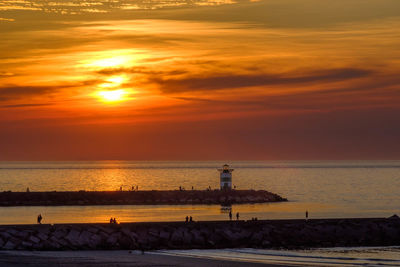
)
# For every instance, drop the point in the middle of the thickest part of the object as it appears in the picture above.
(168, 197)
(202, 235)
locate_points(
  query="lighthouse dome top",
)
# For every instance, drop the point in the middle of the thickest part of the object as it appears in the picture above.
(226, 169)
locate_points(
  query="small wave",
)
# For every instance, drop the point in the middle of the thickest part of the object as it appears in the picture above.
(321, 257)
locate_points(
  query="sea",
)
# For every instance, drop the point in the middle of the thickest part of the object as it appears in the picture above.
(326, 189)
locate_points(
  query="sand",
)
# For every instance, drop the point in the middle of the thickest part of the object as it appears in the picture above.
(111, 258)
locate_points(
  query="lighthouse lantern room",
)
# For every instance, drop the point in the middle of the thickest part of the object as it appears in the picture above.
(226, 177)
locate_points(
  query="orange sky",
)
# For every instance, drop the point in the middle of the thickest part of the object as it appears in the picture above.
(273, 79)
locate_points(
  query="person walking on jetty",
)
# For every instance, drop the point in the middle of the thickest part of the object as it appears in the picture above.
(237, 216)
(39, 219)
(230, 215)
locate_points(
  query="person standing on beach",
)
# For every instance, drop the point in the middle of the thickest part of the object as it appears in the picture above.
(306, 215)
(39, 219)
(230, 215)
(237, 216)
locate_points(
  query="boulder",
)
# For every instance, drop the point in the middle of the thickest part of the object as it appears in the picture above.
(73, 237)
(198, 239)
(42, 236)
(176, 237)
(12, 243)
(94, 241)
(34, 239)
(164, 235)
(60, 233)
(26, 245)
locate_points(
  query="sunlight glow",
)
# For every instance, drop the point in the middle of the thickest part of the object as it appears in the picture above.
(113, 96)
(110, 62)
(113, 81)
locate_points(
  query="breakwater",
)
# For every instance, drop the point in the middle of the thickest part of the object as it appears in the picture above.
(154, 197)
(201, 235)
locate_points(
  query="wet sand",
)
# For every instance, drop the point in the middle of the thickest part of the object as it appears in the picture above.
(112, 258)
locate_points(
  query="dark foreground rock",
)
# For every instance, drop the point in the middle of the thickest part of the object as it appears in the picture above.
(168, 197)
(202, 235)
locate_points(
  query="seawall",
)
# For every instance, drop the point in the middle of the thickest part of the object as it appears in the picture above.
(154, 197)
(202, 235)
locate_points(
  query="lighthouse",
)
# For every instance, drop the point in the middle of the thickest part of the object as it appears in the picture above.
(226, 177)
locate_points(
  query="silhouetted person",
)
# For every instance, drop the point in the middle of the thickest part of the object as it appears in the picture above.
(111, 220)
(187, 218)
(230, 215)
(114, 220)
(180, 188)
(191, 219)
(27, 189)
(306, 215)
(192, 187)
(39, 219)
(120, 188)
(237, 216)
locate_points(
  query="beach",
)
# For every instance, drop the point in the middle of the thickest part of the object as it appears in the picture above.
(111, 258)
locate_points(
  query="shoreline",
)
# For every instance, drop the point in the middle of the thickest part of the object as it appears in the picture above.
(116, 258)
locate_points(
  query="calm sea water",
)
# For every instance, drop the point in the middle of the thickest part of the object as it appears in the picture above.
(327, 189)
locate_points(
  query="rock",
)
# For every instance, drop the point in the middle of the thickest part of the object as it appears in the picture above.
(93, 230)
(5, 235)
(26, 244)
(22, 234)
(126, 243)
(34, 239)
(177, 237)
(198, 239)
(12, 243)
(12, 232)
(73, 237)
(394, 217)
(164, 235)
(84, 238)
(113, 239)
(60, 234)
(256, 238)
(153, 232)
(42, 236)
(94, 241)
(187, 238)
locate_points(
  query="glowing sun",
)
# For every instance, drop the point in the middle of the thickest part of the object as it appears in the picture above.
(113, 95)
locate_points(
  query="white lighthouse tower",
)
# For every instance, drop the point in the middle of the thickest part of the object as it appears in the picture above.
(226, 177)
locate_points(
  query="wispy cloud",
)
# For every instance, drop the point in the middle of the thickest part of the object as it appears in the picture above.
(227, 81)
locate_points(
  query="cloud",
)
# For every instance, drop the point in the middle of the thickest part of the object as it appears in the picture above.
(10, 92)
(140, 70)
(24, 105)
(228, 81)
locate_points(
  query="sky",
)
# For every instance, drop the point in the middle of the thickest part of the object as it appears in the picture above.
(199, 80)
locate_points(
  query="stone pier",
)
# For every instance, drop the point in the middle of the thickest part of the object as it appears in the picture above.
(203, 235)
(154, 197)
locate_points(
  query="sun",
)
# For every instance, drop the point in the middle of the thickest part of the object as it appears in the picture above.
(113, 95)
